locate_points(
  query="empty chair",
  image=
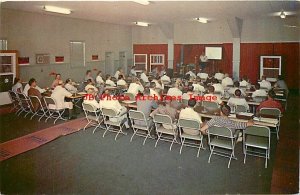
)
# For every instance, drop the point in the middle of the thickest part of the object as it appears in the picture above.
(274, 113)
(160, 122)
(221, 138)
(190, 124)
(25, 104)
(115, 125)
(93, 116)
(140, 124)
(37, 107)
(259, 138)
(15, 101)
(53, 112)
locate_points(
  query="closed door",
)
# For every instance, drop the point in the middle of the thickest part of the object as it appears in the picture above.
(123, 60)
(109, 63)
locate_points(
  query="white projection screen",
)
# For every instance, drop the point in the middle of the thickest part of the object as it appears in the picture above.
(213, 53)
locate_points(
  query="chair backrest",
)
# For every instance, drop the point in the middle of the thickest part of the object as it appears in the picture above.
(34, 99)
(257, 131)
(162, 119)
(137, 115)
(88, 107)
(273, 112)
(259, 98)
(130, 95)
(49, 100)
(220, 131)
(210, 104)
(22, 96)
(13, 96)
(109, 112)
(189, 123)
(240, 108)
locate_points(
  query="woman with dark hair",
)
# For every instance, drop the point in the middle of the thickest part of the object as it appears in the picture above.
(88, 75)
(17, 87)
(56, 80)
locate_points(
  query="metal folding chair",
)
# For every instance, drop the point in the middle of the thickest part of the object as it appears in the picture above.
(15, 101)
(163, 133)
(190, 124)
(53, 113)
(273, 113)
(240, 108)
(92, 115)
(25, 104)
(41, 110)
(112, 126)
(221, 138)
(257, 137)
(210, 106)
(140, 125)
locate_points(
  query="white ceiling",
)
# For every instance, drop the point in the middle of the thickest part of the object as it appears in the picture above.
(126, 12)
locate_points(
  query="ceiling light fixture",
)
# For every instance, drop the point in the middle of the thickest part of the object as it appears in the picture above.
(143, 2)
(141, 23)
(202, 20)
(56, 9)
(282, 14)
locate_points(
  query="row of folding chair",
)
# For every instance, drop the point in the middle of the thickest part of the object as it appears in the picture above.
(23, 104)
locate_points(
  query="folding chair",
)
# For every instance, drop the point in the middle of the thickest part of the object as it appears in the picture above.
(53, 112)
(221, 138)
(190, 124)
(273, 113)
(210, 106)
(240, 108)
(259, 98)
(117, 126)
(257, 137)
(41, 111)
(160, 120)
(25, 104)
(144, 128)
(15, 101)
(92, 115)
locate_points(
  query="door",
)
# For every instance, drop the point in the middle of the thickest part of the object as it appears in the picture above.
(123, 61)
(109, 63)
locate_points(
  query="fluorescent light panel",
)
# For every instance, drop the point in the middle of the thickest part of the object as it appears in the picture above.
(56, 9)
(202, 20)
(282, 15)
(141, 23)
(143, 2)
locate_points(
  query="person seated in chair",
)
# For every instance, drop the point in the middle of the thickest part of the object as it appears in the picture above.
(144, 76)
(56, 80)
(245, 82)
(109, 82)
(99, 79)
(219, 75)
(27, 87)
(121, 81)
(211, 94)
(259, 92)
(227, 81)
(135, 87)
(70, 87)
(238, 100)
(90, 85)
(165, 79)
(236, 85)
(174, 91)
(17, 86)
(88, 75)
(270, 103)
(264, 83)
(32, 91)
(90, 98)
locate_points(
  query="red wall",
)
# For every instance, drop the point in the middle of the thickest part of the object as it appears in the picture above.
(250, 53)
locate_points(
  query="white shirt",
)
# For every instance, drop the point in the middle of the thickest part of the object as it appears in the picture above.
(110, 83)
(174, 91)
(110, 104)
(232, 90)
(58, 94)
(165, 78)
(191, 74)
(227, 81)
(90, 86)
(99, 79)
(16, 87)
(203, 58)
(265, 84)
(202, 75)
(219, 76)
(190, 113)
(27, 87)
(259, 92)
(134, 88)
(144, 77)
(92, 102)
(70, 88)
(133, 72)
(198, 87)
(219, 88)
(218, 98)
(158, 85)
(121, 82)
(244, 83)
(117, 74)
(153, 92)
(186, 96)
(234, 101)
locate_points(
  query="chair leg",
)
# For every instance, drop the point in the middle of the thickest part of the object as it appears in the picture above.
(266, 161)
(174, 139)
(228, 166)
(211, 152)
(107, 127)
(148, 135)
(134, 132)
(199, 149)
(182, 143)
(158, 138)
(87, 124)
(33, 115)
(118, 133)
(96, 128)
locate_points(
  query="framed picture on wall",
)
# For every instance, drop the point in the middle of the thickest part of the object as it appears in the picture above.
(59, 59)
(42, 58)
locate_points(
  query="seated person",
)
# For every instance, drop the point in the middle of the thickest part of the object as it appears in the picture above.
(211, 93)
(91, 99)
(174, 91)
(158, 82)
(88, 75)
(27, 86)
(56, 80)
(224, 121)
(236, 85)
(133, 71)
(245, 83)
(210, 79)
(219, 75)
(264, 83)
(90, 85)
(144, 77)
(202, 75)
(99, 79)
(165, 79)
(121, 81)
(135, 87)
(189, 93)
(270, 103)
(280, 83)
(259, 92)
(59, 94)
(237, 100)
(227, 81)
(190, 113)
(153, 91)
(70, 87)
(17, 87)
(109, 82)
(198, 87)
(32, 91)
(219, 88)
(191, 73)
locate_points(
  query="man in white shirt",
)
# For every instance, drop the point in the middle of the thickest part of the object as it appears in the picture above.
(27, 87)
(189, 93)
(227, 80)
(59, 94)
(90, 85)
(245, 83)
(174, 91)
(159, 84)
(264, 83)
(259, 92)
(17, 87)
(165, 79)
(191, 73)
(118, 73)
(198, 87)
(219, 76)
(153, 91)
(91, 99)
(144, 77)
(211, 94)
(121, 81)
(236, 85)
(135, 87)
(203, 76)
(237, 100)
(133, 71)
(203, 60)
(219, 88)
(99, 79)
(109, 82)
(190, 113)
(70, 87)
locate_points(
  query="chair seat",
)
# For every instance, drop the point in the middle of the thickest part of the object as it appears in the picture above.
(255, 141)
(193, 137)
(91, 117)
(220, 142)
(165, 131)
(115, 123)
(140, 127)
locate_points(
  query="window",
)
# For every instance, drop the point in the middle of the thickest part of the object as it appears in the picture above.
(77, 57)
(3, 44)
(157, 61)
(140, 62)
